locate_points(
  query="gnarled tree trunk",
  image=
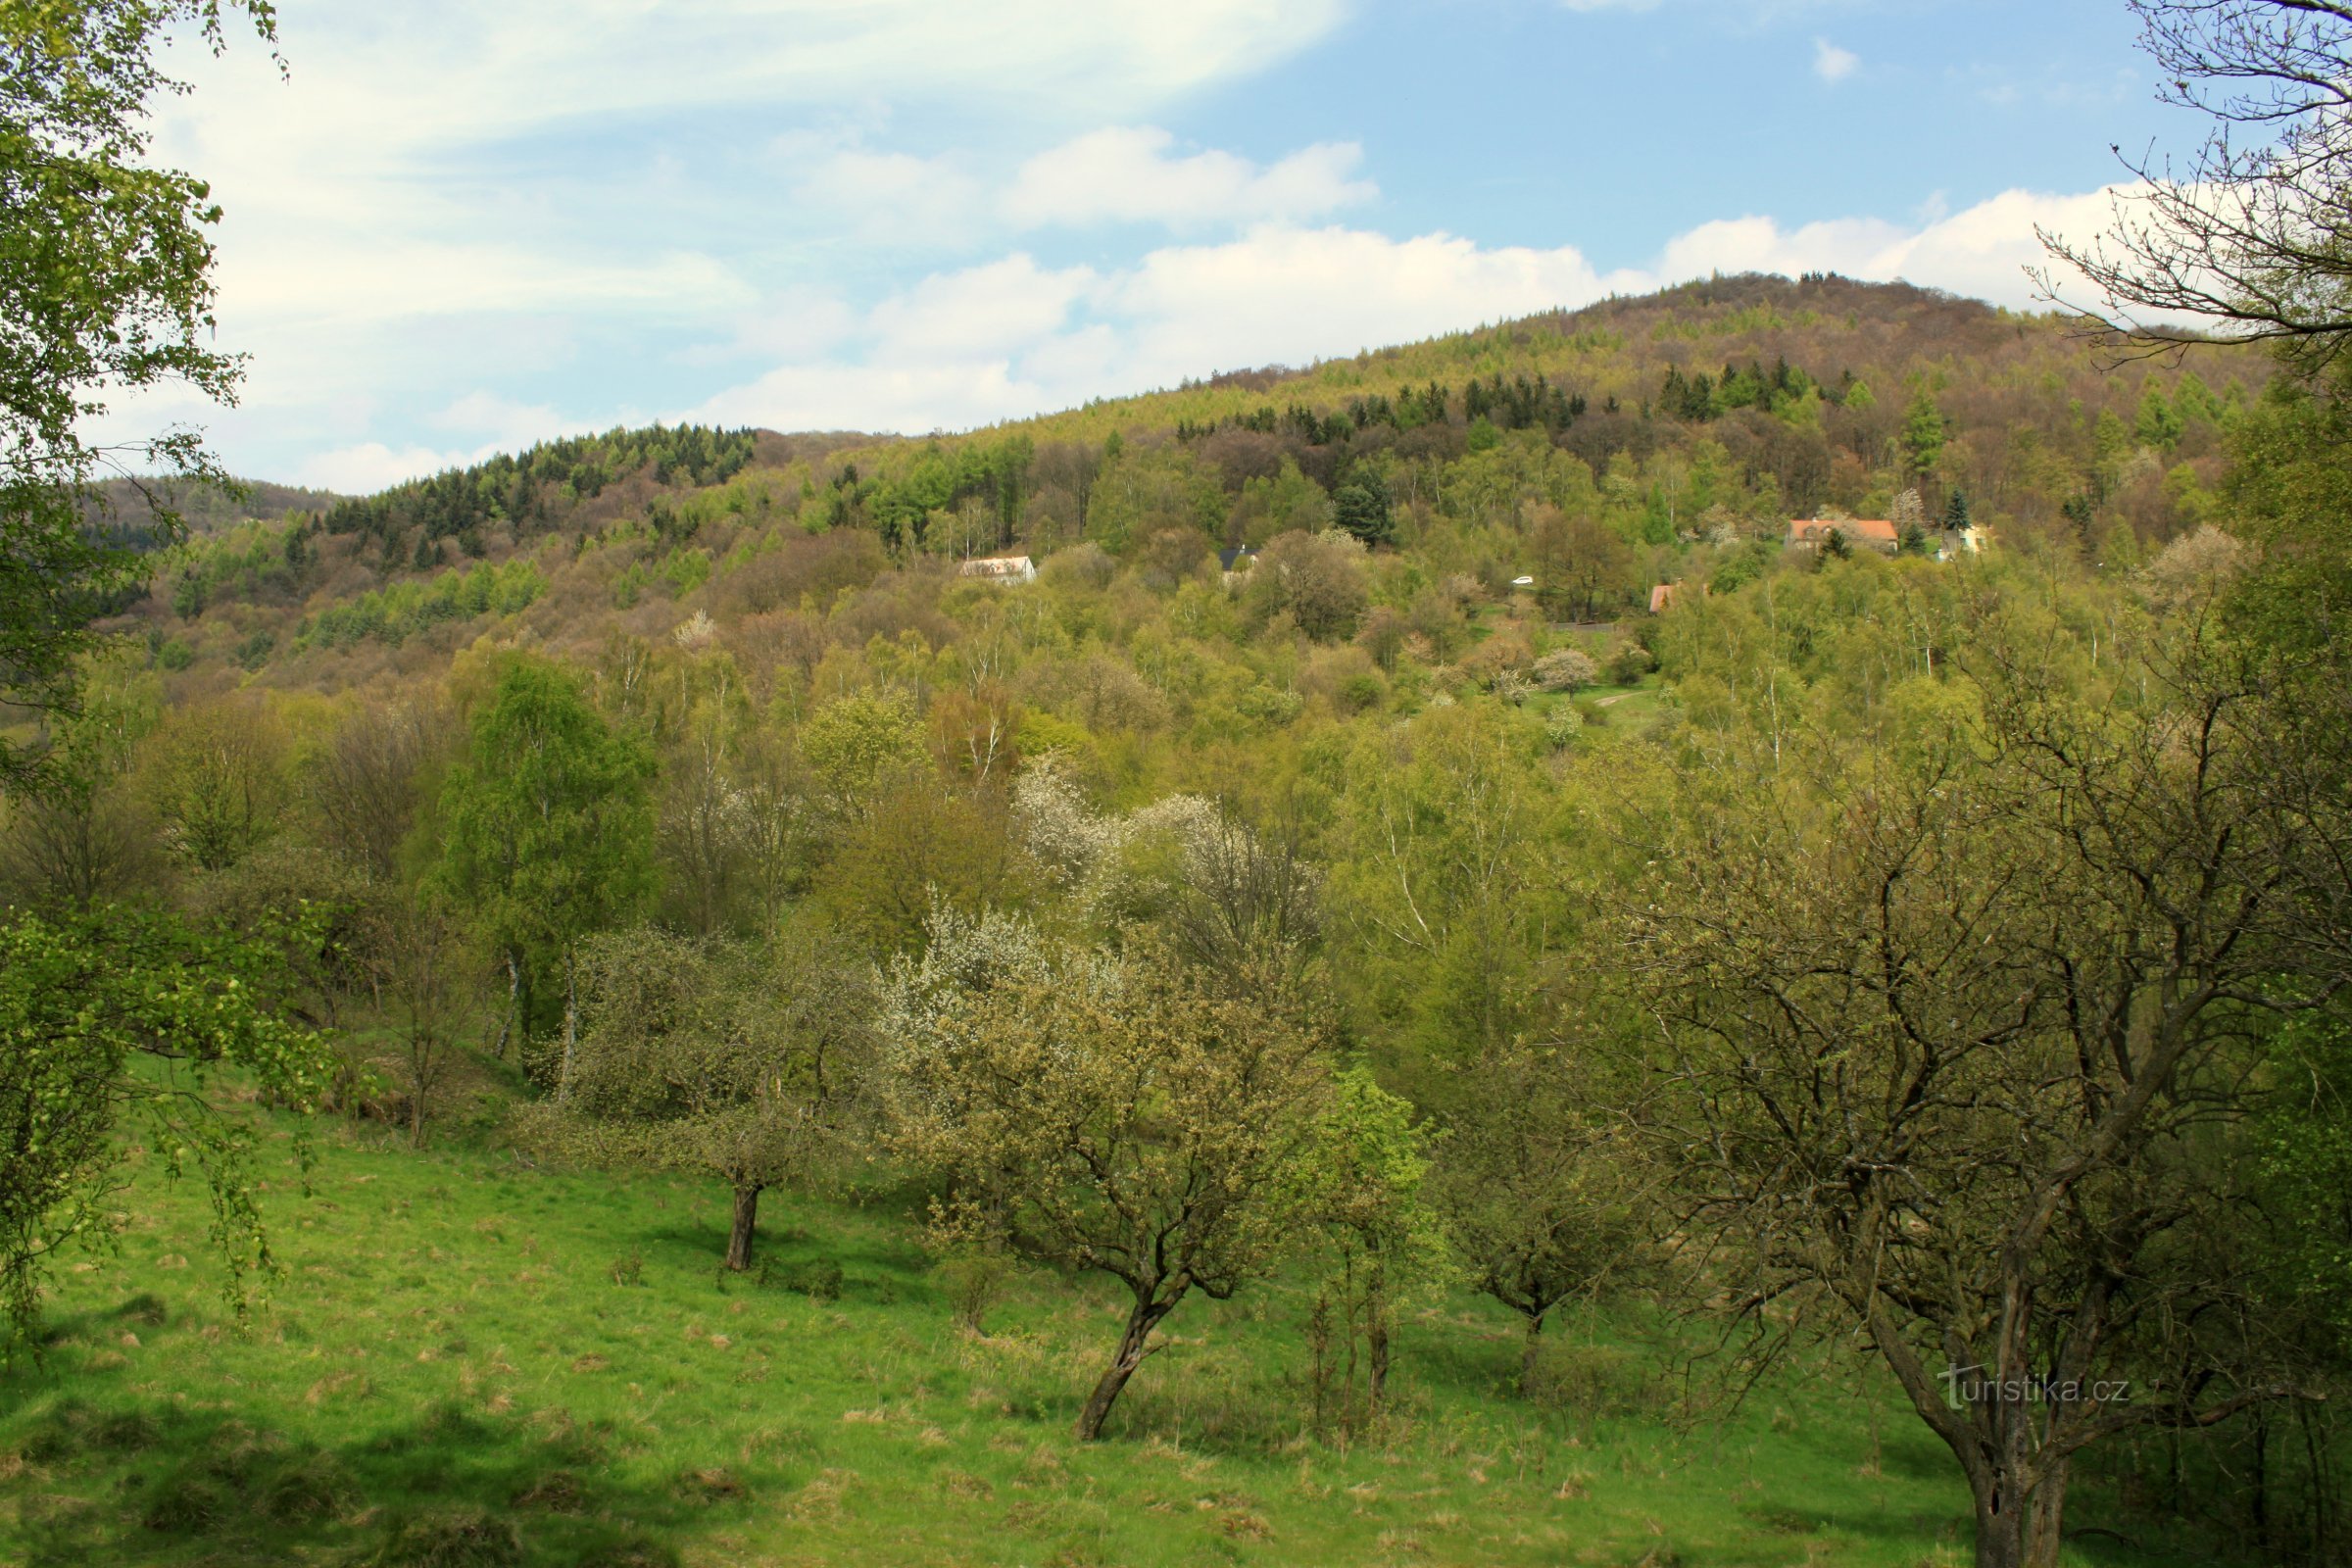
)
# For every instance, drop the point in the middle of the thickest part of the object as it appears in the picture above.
(1133, 1345)
(2018, 1524)
(746, 1221)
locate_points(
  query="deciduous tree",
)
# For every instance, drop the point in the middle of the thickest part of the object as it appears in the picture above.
(547, 830)
(105, 288)
(745, 1060)
(1106, 1114)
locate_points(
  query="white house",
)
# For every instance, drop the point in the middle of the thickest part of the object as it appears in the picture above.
(999, 568)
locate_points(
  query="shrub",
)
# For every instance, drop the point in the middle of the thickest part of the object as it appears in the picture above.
(311, 1487)
(973, 1278)
(1564, 669)
(187, 1504)
(818, 1278)
(1629, 662)
(451, 1538)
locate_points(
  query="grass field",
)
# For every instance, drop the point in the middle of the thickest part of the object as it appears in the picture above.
(471, 1362)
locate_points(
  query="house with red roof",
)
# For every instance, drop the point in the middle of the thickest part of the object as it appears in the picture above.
(1875, 533)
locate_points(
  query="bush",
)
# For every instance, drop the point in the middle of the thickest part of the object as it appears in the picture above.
(818, 1278)
(451, 1538)
(1629, 662)
(1565, 669)
(186, 1505)
(973, 1280)
(313, 1488)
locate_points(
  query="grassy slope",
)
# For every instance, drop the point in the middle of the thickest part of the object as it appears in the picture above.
(449, 1334)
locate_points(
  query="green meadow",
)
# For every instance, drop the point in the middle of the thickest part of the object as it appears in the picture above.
(468, 1360)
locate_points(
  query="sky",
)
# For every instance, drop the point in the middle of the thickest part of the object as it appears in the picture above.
(452, 229)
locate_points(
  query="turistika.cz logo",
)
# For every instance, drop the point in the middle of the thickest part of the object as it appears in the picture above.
(1965, 1386)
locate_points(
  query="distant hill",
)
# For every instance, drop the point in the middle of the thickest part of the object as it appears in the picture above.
(207, 509)
(1600, 450)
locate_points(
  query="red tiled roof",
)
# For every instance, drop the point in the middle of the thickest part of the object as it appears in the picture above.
(1863, 531)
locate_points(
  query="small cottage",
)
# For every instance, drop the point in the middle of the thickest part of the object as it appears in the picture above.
(1874, 533)
(999, 568)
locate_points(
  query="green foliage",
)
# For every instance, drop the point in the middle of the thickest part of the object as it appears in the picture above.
(514, 491)
(870, 1428)
(853, 745)
(107, 273)
(547, 825)
(120, 1022)
(714, 1056)
(2158, 425)
(1925, 431)
(400, 611)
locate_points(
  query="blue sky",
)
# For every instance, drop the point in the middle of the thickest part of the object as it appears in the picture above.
(456, 227)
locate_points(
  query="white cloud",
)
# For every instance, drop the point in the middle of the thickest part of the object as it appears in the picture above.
(442, 191)
(372, 466)
(1126, 175)
(1982, 251)
(894, 197)
(985, 310)
(1010, 338)
(1832, 64)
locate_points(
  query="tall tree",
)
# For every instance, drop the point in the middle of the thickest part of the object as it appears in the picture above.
(547, 831)
(105, 287)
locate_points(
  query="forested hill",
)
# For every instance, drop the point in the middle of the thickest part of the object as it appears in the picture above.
(1601, 450)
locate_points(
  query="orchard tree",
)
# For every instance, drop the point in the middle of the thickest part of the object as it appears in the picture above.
(745, 1060)
(1536, 1182)
(1960, 1041)
(1106, 1114)
(547, 831)
(105, 288)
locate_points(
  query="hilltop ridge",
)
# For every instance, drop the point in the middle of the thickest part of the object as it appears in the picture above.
(1600, 450)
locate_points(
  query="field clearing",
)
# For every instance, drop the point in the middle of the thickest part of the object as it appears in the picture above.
(469, 1362)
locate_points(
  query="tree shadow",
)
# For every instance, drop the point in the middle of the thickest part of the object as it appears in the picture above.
(109, 1482)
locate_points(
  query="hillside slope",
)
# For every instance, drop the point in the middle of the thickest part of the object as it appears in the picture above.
(1600, 450)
